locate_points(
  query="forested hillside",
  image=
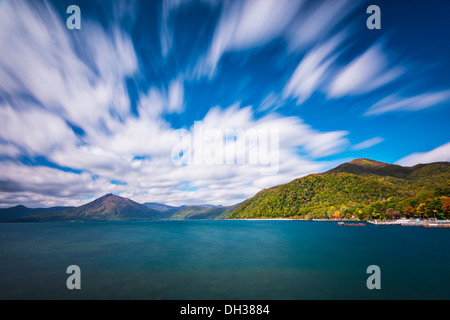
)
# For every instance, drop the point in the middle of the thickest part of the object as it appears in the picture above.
(362, 189)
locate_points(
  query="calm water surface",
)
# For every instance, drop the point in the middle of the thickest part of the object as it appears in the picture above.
(218, 259)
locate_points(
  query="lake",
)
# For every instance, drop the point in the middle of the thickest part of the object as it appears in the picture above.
(222, 259)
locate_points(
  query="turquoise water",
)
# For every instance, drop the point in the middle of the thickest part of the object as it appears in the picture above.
(218, 259)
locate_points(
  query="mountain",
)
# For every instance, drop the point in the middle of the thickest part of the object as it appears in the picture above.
(190, 212)
(363, 189)
(113, 208)
(200, 212)
(107, 208)
(366, 167)
(22, 211)
(159, 207)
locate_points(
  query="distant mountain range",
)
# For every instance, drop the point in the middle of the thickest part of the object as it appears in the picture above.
(107, 208)
(112, 208)
(362, 189)
(22, 211)
(199, 212)
(159, 207)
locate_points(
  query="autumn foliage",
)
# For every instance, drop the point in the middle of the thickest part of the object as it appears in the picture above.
(358, 190)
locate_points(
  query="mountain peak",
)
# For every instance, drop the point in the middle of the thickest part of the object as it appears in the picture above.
(113, 200)
(363, 166)
(112, 197)
(106, 208)
(108, 195)
(368, 163)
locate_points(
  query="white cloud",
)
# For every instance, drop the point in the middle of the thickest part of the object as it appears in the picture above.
(44, 180)
(365, 73)
(34, 131)
(247, 24)
(441, 153)
(152, 104)
(9, 150)
(271, 102)
(176, 96)
(166, 29)
(368, 143)
(325, 144)
(317, 21)
(47, 66)
(312, 70)
(159, 101)
(396, 102)
(35, 200)
(252, 23)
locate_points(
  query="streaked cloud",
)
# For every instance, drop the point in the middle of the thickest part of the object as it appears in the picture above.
(271, 102)
(313, 70)
(48, 68)
(368, 143)
(176, 96)
(18, 180)
(397, 102)
(441, 153)
(33, 131)
(369, 71)
(317, 21)
(247, 24)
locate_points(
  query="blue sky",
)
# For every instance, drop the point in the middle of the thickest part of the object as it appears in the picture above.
(107, 108)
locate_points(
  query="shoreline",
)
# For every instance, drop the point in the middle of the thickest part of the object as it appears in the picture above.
(399, 222)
